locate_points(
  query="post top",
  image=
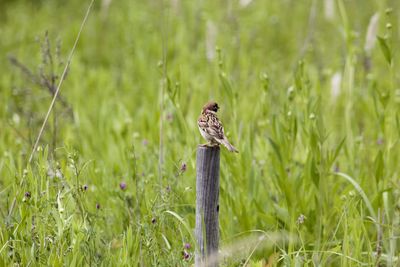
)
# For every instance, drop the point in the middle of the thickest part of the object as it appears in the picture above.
(205, 147)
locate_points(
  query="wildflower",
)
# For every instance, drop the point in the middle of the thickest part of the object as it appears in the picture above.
(187, 246)
(97, 206)
(170, 117)
(301, 219)
(27, 196)
(122, 185)
(183, 167)
(145, 142)
(336, 168)
(186, 255)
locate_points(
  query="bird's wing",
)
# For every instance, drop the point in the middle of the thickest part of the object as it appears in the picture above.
(211, 125)
(202, 122)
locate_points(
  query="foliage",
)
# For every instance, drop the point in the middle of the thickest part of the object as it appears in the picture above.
(312, 108)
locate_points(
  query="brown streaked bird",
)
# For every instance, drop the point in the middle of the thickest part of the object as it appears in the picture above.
(211, 128)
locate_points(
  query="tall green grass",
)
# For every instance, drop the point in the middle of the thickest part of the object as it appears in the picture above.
(312, 108)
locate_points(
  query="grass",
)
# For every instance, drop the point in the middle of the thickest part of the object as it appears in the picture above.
(311, 103)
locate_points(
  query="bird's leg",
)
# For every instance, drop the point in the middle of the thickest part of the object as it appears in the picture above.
(214, 144)
(206, 145)
(210, 144)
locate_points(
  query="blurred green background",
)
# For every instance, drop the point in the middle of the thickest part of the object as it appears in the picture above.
(309, 94)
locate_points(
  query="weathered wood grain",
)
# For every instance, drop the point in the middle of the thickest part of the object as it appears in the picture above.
(207, 206)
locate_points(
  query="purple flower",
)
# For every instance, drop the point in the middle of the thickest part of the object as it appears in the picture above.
(122, 185)
(97, 206)
(27, 194)
(145, 142)
(187, 246)
(85, 187)
(183, 167)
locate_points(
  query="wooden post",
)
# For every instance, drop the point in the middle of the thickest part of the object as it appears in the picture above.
(207, 206)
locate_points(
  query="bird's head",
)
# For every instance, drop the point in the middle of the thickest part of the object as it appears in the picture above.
(211, 106)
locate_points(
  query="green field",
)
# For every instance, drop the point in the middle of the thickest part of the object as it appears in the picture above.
(308, 91)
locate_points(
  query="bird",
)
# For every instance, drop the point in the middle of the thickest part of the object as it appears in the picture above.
(211, 127)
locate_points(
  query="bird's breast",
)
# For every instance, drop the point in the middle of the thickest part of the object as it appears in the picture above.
(205, 134)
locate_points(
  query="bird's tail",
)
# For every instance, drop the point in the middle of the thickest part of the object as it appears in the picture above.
(228, 145)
